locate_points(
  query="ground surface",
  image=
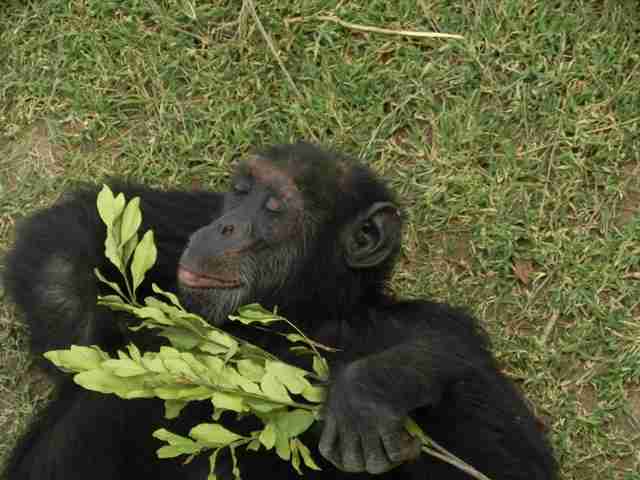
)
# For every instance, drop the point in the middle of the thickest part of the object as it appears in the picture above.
(516, 153)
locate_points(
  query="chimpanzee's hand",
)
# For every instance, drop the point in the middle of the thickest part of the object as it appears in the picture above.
(363, 432)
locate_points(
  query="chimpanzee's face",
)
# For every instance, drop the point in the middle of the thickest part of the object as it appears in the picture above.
(252, 249)
(295, 223)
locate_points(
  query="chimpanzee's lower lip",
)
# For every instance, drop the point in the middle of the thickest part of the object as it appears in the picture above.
(212, 287)
(217, 286)
(190, 279)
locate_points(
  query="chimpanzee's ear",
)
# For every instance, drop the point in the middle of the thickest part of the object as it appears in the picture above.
(373, 236)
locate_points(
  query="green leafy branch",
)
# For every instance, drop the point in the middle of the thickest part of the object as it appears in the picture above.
(204, 362)
(123, 220)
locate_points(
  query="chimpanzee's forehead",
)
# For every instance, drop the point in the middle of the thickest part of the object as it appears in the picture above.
(267, 172)
(294, 173)
(271, 175)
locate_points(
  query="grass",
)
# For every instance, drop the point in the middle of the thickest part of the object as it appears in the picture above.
(515, 152)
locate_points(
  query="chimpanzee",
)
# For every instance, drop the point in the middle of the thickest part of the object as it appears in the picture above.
(317, 235)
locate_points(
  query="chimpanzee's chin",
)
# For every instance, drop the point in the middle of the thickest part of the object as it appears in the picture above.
(213, 304)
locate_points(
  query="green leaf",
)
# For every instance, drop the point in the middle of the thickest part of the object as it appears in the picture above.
(294, 422)
(295, 457)
(113, 252)
(283, 448)
(134, 353)
(106, 382)
(174, 313)
(321, 367)
(123, 367)
(76, 358)
(153, 363)
(109, 299)
(253, 313)
(268, 436)
(215, 366)
(212, 348)
(172, 408)
(222, 338)
(263, 406)
(178, 367)
(118, 305)
(128, 248)
(183, 392)
(131, 220)
(113, 285)
(253, 446)
(106, 205)
(314, 393)
(178, 445)
(217, 414)
(273, 388)
(171, 296)
(119, 203)
(170, 437)
(301, 350)
(180, 338)
(295, 337)
(250, 369)
(195, 363)
(306, 454)
(228, 401)
(172, 451)
(110, 209)
(213, 435)
(144, 258)
(231, 376)
(291, 377)
(154, 314)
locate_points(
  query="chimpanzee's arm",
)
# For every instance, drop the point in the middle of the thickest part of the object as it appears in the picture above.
(410, 353)
(49, 271)
(432, 363)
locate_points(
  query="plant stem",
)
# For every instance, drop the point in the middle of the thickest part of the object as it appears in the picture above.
(241, 393)
(451, 459)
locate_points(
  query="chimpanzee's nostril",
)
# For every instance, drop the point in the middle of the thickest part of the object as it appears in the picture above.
(227, 230)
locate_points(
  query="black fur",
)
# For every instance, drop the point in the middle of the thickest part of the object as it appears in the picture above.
(398, 358)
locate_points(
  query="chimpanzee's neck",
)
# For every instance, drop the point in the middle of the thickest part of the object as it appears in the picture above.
(326, 323)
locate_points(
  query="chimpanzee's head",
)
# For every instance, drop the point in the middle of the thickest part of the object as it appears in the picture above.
(301, 226)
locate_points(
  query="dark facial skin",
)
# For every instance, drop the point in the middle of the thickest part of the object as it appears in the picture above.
(250, 249)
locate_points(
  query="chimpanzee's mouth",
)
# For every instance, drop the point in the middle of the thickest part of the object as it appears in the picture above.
(192, 279)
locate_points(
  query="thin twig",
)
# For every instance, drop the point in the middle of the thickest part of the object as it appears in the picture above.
(433, 448)
(460, 463)
(613, 125)
(272, 47)
(388, 31)
(453, 460)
